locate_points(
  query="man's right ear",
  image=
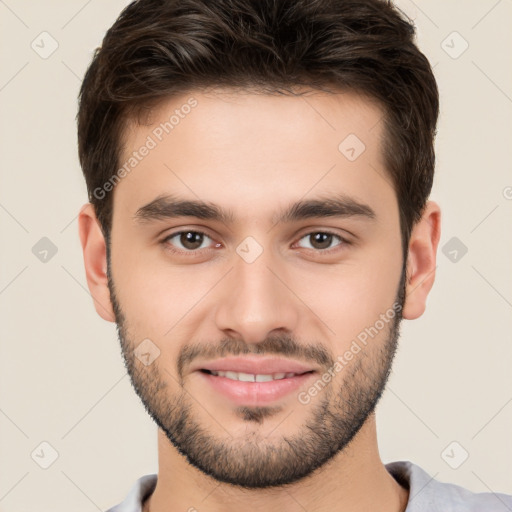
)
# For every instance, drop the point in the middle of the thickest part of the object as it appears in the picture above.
(95, 260)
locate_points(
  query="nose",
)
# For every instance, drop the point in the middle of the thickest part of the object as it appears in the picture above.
(256, 300)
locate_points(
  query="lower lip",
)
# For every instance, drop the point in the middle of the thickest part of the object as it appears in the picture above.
(255, 393)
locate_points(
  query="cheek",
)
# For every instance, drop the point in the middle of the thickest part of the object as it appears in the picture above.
(353, 295)
(157, 299)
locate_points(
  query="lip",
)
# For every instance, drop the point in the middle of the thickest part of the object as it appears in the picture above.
(254, 393)
(255, 365)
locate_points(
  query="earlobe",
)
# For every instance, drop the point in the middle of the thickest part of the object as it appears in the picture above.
(421, 261)
(95, 261)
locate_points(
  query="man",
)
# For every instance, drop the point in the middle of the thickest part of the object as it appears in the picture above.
(258, 226)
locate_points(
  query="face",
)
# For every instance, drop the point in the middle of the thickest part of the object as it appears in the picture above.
(256, 275)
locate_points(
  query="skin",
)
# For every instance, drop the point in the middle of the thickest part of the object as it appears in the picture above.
(255, 154)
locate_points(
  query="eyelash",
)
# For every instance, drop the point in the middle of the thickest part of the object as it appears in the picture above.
(170, 247)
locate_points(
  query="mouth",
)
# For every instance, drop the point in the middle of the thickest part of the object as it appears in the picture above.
(251, 377)
(254, 381)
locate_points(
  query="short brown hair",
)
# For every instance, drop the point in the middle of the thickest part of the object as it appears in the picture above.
(160, 48)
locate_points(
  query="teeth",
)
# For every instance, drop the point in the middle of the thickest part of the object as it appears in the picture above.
(250, 377)
(264, 378)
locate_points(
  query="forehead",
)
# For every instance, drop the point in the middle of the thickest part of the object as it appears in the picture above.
(245, 149)
(213, 112)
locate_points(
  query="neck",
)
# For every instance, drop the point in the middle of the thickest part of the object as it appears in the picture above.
(354, 480)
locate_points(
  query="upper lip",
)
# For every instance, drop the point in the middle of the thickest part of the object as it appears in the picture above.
(255, 365)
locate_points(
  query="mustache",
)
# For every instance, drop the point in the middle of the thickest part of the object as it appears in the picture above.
(276, 345)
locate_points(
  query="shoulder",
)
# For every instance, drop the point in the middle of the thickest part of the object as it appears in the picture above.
(139, 491)
(428, 494)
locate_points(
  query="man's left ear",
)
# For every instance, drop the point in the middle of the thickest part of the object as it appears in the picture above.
(421, 261)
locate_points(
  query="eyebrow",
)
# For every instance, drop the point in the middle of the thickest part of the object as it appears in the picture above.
(172, 207)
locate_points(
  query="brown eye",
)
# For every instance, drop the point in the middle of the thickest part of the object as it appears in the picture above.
(191, 240)
(321, 240)
(187, 240)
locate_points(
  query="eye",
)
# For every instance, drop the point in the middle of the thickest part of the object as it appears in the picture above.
(187, 241)
(191, 241)
(322, 240)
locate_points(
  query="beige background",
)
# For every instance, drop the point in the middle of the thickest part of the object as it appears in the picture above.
(62, 380)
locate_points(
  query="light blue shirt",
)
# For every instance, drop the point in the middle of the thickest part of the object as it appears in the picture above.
(425, 493)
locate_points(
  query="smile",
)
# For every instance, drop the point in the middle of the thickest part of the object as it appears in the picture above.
(241, 388)
(250, 377)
